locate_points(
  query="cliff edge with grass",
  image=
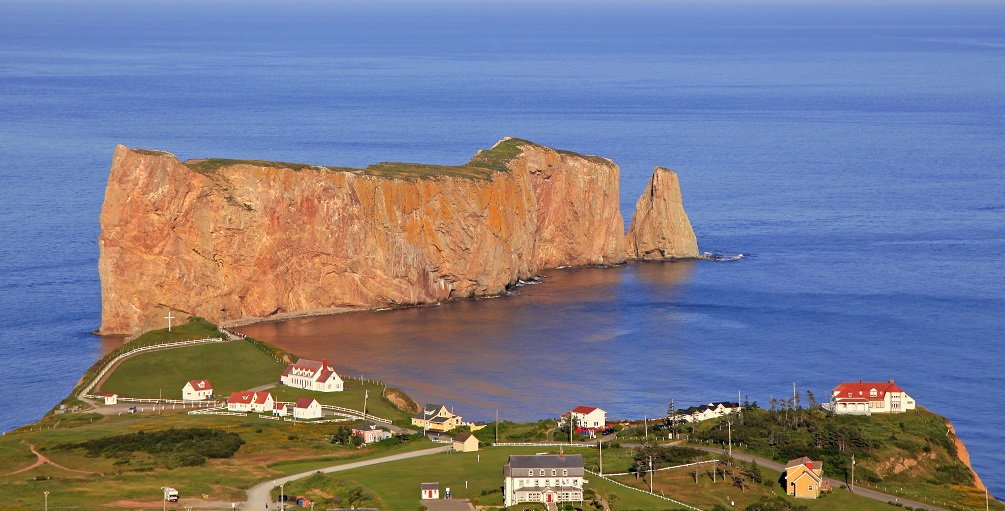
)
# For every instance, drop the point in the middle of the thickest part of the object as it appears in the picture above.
(240, 239)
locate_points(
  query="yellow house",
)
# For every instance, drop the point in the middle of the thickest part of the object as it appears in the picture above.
(465, 442)
(804, 478)
(436, 418)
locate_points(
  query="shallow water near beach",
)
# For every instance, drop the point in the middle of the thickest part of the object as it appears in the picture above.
(854, 152)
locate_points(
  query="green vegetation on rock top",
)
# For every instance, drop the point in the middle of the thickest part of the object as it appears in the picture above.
(481, 166)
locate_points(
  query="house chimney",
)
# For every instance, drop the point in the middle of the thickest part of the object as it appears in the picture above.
(324, 364)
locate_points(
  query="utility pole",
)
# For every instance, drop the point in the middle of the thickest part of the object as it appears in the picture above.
(497, 425)
(729, 428)
(651, 474)
(366, 394)
(600, 444)
(853, 472)
(645, 424)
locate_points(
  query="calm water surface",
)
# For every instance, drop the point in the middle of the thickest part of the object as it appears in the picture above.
(854, 151)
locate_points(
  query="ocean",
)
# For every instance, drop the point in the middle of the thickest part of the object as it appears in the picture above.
(853, 152)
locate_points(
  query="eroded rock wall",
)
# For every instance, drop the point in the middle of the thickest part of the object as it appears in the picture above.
(251, 240)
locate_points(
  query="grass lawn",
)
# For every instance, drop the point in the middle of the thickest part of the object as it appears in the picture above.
(14, 455)
(397, 483)
(352, 397)
(229, 367)
(680, 485)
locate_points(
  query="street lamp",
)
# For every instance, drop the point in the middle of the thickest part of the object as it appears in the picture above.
(46, 500)
(164, 497)
(282, 495)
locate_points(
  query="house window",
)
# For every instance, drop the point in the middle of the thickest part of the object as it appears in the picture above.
(565, 471)
(810, 487)
(553, 471)
(541, 473)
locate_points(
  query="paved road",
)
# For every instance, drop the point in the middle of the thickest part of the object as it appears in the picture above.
(259, 498)
(862, 492)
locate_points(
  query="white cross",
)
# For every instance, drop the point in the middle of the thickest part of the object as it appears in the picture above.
(169, 317)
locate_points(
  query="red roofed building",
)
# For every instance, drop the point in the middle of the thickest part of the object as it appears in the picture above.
(867, 398)
(312, 375)
(248, 401)
(307, 408)
(587, 418)
(197, 390)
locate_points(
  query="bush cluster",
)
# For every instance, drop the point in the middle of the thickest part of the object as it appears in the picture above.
(172, 447)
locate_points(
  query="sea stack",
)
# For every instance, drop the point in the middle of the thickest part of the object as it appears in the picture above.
(660, 229)
(242, 239)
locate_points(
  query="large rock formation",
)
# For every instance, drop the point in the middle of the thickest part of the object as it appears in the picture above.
(660, 228)
(227, 239)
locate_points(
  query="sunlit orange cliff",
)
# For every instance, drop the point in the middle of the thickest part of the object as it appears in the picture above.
(240, 239)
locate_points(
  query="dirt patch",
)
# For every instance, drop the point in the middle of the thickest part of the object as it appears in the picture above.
(963, 455)
(401, 400)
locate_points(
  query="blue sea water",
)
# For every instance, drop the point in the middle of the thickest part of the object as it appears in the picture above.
(854, 151)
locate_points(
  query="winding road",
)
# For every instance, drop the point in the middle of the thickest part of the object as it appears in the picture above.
(259, 497)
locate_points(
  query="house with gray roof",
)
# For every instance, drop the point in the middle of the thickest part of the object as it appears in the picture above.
(543, 478)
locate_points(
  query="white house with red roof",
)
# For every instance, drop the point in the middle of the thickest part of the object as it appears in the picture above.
(248, 401)
(281, 410)
(587, 417)
(111, 399)
(197, 390)
(867, 398)
(307, 408)
(312, 375)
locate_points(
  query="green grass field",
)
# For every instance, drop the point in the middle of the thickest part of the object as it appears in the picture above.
(680, 485)
(229, 367)
(397, 483)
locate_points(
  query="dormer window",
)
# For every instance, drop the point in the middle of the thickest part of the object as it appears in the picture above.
(872, 393)
(554, 472)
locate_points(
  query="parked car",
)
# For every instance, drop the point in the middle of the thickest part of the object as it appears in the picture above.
(132, 409)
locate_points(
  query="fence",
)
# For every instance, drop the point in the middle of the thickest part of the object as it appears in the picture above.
(665, 468)
(355, 413)
(668, 499)
(539, 444)
(86, 390)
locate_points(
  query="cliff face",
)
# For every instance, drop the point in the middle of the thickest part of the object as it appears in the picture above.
(660, 228)
(229, 239)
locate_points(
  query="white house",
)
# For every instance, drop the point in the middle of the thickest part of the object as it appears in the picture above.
(281, 409)
(307, 408)
(248, 401)
(709, 411)
(430, 491)
(111, 399)
(197, 390)
(312, 375)
(867, 398)
(588, 417)
(543, 478)
(370, 432)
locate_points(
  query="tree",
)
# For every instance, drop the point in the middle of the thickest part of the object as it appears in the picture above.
(752, 471)
(812, 400)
